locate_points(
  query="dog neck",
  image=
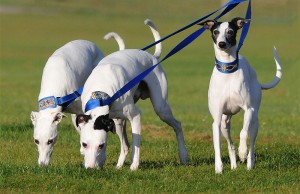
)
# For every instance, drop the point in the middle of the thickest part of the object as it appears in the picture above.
(226, 56)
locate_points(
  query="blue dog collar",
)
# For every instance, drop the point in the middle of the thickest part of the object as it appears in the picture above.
(47, 102)
(97, 99)
(53, 102)
(227, 67)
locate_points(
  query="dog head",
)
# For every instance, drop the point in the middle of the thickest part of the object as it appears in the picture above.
(224, 33)
(93, 136)
(45, 133)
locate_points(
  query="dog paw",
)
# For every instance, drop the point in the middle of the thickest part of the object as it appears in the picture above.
(219, 169)
(243, 154)
(134, 166)
(119, 166)
(184, 160)
(250, 163)
(233, 165)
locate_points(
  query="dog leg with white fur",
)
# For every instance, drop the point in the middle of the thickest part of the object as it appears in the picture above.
(121, 132)
(225, 129)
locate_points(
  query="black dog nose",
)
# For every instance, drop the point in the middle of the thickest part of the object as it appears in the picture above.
(222, 45)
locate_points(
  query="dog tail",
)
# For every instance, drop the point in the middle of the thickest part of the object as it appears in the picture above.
(158, 46)
(277, 79)
(117, 38)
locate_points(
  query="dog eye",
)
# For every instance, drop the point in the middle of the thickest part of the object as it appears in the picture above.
(216, 32)
(36, 141)
(84, 145)
(101, 146)
(50, 141)
(230, 32)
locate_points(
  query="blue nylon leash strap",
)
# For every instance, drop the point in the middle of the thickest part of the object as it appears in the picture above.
(194, 23)
(65, 101)
(229, 6)
(245, 27)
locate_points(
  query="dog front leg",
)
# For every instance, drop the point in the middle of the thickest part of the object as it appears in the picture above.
(136, 138)
(217, 145)
(253, 134)
(101, 157)
(225, 128)
(121, 132)
(244, 134)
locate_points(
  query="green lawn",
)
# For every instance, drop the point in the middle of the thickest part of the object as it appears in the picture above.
(31, 30)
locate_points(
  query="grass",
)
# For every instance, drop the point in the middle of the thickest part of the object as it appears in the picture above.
(30, 31)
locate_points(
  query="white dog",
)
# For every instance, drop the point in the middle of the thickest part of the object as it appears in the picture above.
(234, 86)
(113, 72)
(65, 71)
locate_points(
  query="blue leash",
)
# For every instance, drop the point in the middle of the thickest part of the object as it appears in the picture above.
(194, 23)
(245, 27)
(93, 103)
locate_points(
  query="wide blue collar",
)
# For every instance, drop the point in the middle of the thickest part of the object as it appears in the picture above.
(64, 101)
(97, 99)
(227, 68)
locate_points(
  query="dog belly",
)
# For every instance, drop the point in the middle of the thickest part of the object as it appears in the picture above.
(231, 109)
(224, 102)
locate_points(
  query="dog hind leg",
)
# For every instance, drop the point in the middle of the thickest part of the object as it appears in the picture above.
(165, 114)
(158, 90)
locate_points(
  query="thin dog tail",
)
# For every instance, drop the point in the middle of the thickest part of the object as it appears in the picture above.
(117, 38)
(158, 46)
(277, 79)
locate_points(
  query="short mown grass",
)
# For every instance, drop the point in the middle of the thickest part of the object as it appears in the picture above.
(30, 31)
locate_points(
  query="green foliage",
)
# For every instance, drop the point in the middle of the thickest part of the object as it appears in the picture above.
(31, 30)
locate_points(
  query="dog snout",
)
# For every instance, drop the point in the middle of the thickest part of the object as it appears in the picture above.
(44, 162)
(222, 45)
(89, 165)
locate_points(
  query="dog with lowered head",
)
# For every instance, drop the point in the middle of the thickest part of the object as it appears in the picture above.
(113, 72)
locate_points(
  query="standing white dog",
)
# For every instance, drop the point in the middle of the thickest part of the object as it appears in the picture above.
(234, 86)
(113, 72)
(65, 71)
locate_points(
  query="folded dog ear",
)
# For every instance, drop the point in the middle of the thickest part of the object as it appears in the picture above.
(82, 119)
(34, 116)
(58, 117)
(103, 122)
(208, 24)
(240, 22)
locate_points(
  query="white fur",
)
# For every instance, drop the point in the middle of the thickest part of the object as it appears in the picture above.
(228, 93)
(113, 72)
(65, 71)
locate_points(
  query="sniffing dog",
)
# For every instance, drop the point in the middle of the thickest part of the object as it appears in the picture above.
(65, 71)
(234, 86)
(113, 72)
